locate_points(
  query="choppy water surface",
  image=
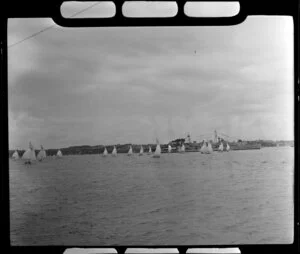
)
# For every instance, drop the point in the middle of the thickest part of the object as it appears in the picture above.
(221, 198)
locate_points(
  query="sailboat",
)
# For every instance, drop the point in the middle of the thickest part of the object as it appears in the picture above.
(15, 155)
(169, 148)
(150, 150)
(227, 147)
(210, 150)
(157, 151)
(130, 151)
(114, 152)
(105, 152)
(29, 155)
(203, 148)
(221, 148)
(42, 154)
(141, 151)
(182, 149)
(59, 153)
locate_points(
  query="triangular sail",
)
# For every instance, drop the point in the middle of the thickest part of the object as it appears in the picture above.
(157, 151)
(221, 147)
(203, 147)
(29, 154)
(105, 152)
(15, 155)
(210, 150)
(26, 154)
(206, 147)
(42, 154)
(182, 148)
(59, 153)
(130, 151)
(227, 147)
(141, 150)
(169, 148)
(150, 150)
(114, 152)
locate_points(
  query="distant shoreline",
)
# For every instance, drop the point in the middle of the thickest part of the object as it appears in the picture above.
(190, 147)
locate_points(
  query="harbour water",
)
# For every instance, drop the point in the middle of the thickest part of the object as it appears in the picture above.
(236, 197)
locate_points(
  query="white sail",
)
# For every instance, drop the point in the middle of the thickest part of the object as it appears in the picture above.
(105, 152)
(114, 152)
(203, 147)
(157, 151)
(227, 147)
(210, 150)
(15, 155)
(130, 151)
(182, 149)
(169, 148)
(29, 154)
(26, 154)
(206, 147)
(42, 154)
(221, 147)
(142, 150)
(59, 153)
(150, 150)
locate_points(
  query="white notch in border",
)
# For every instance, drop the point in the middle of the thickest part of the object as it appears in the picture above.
(211, 9)
(104, 9)
(151, 250)
(90, 251)
(152, 9)
(214, 250)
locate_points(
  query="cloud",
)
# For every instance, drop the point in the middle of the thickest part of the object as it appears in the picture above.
(114, 85)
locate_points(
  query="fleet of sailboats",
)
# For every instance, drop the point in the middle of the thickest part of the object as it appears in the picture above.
(29, 155)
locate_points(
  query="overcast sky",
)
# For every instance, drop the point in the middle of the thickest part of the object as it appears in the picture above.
(75, 86)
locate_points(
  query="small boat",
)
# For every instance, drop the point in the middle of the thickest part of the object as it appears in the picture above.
(42, 154)
(169, 148)
(182, 149)
(114, 151)
(206, 147)
(221, 148)
(105, 152)
(59, 153)
(130, 151)
(141, 151)
(203, 148)
(15, 155)
(210, 150)
(227, 147)
(150, 150)
(29, 155)
(157, 152)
